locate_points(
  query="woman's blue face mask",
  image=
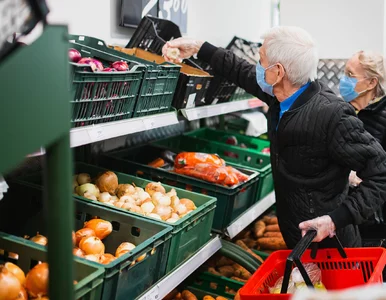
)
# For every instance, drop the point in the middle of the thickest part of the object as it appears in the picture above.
(260, 78)
(347, 88)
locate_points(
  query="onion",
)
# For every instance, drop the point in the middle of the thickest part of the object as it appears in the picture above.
(90, 196)
(139, 190)
(87, 188)
(127, 199)
(95, 64)
(23, 295)
(119, 204)
(171, 193)
(104, 197)
(147, 207)
(142, 196)
(155, 216)
(156, 197)
(174, 216)
(109, 70)
(83, 178)
(153, 187)
(13, 255)
(124, 248)
(142, 257)
(165, 201)
(114, 198)
(39, 239)
(165, 212)
(127, 206)
(101, 227)
(181, 209)
(74, 55)
(120, 65)
(92, 245)
(188, 203)
(107, 182)
(10, 286)
(15, 270)
(172, 220)
(78, 252)
(124, 189)
(174, 202)
(106, 258)
(36, 282)
(93, 257)
(82, 233)
(136, 209)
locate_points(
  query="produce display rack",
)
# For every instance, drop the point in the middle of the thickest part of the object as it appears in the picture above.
(173, 279)
(26, 126)
(52, 134)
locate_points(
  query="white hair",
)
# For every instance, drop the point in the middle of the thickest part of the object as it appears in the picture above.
(295, 49)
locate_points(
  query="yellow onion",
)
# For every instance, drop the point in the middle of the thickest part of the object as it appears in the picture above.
(93, 257)
(92, 245)
(153, 187)
(82, 233)
(165, 212)
(10, 286)
(36, 282)
(124, 248)
(107, 182)
(83, 178)
(102, 228)
(155, 216)
(142, 257)
(23, 295)
(106, 258)
(104, 197)
(88, 189)
(78, 252)
(39, 239)
(147, 207)
(15, 270)
(188, 203)
(124, 189)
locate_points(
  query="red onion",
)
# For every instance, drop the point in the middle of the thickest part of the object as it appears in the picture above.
(74, 55)
(95, 64)
(120, 65)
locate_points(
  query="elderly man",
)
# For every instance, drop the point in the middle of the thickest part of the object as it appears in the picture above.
(316, 138)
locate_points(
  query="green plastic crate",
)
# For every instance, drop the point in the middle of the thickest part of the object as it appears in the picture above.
(231, 201)
(188, 234)
(201, 285)
(240, 125)
(122, 279)
(88, 276)
(99, 97)
(231, 154)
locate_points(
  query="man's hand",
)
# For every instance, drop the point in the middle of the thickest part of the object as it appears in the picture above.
(323, 225)
(186, 49)
(353, 179)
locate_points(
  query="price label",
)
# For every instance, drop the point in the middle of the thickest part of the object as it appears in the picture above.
(96, 134)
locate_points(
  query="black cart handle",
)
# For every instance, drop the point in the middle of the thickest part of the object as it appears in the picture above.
(298, 252)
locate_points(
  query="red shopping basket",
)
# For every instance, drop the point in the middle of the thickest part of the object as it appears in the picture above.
(341, 268)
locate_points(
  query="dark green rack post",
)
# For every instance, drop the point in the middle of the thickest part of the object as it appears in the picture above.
(35, 112)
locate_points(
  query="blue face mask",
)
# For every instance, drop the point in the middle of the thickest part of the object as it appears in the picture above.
(347, 88)
(260, 78)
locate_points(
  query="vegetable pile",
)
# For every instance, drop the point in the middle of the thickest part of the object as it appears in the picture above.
(188, 295)
(153, 201)
(15, 285)
(208, 167)
(96, 65)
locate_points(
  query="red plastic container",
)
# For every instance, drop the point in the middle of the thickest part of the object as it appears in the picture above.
(361, 267)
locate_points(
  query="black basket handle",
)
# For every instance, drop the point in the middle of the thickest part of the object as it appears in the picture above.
(297, 253)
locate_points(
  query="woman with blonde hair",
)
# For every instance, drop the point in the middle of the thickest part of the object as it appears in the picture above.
(363, 86)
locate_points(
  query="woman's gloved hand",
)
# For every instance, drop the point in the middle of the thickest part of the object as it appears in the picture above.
(323, 225)
(181, 48)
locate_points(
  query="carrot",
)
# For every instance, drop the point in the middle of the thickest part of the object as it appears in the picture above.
(250, 243)
(157, 163)
(224, 261)
(259, 229)
(273, 234)
(213, 271)
(271, 243)
(270, 220)
(242, 245)
(237, 297)
(241, 272)
(274, 227)
(187, 295)
(238, 279)
(220, 298)
(207, 297)
(226, 271)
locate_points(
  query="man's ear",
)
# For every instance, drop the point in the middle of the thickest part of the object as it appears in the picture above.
(373, 83)
(281, 72)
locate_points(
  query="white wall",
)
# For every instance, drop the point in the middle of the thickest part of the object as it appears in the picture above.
(341, 27)
(214, 20)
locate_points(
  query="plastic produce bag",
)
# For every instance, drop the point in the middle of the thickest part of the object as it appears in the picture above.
(276, 289)
(313, 272)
